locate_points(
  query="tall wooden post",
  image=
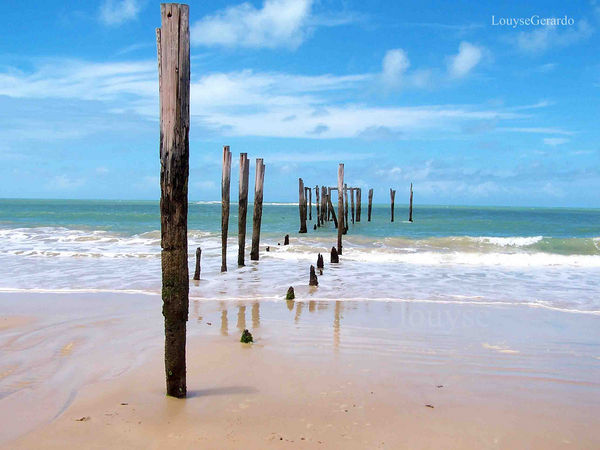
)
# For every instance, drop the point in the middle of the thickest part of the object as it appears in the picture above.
(345, 209)
(325, 204)
(370, 204)
(392, 197)
(318, 205)
(258, 201)
(173, 44)
(352, 204)
(301, 206)
(329, 209)
(309, 203)
(410, 219)
(358, 204)
(341, 221)
(243, 206)
(332, 209)
(225, 189)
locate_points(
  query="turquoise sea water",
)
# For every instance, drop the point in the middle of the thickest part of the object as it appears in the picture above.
(548, 257)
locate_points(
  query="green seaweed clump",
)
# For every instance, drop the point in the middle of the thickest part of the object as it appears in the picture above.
(246, 337)
(290, 294)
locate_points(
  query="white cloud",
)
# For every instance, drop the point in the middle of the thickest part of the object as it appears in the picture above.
(465, 60)
(248, 103)
(116, 12)
(60, 78)
(278, 23)
(394, 66)
(554, 141)
(546, 37)
(537, 130)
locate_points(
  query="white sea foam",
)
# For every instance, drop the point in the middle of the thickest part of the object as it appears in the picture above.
(510, 241)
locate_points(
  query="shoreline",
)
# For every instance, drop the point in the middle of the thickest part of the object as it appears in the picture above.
(487, 359)
(275, 299)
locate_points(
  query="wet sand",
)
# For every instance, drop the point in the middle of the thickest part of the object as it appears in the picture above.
(85, 371)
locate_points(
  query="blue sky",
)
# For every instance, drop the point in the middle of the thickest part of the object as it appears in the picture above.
(431, 93)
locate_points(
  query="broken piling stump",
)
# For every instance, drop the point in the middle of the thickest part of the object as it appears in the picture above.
(334, 255)
(286, 240)
(258, 201)
(173, 45)
(313, 277)
(198, 256)
(319, 261)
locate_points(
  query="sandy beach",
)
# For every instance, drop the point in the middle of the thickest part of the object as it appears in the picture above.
(86, 371)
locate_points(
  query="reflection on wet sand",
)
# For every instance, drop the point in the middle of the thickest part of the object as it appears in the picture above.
(241, 318)
(256, 315)
(224, 321)
(336, 325)
(299, 306)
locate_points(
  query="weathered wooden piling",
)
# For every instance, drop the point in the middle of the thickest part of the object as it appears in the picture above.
(329, 210)
(346, 222)
(309, 203)
(370, 207)
(198, 257)
(314, 281)
(318, 205)
(324, 205)
(358, 204)
(258, 201)
(243, 206)
(352, 204)
(334, 255)
(301, 206)
(333, 215)
(173, 45)
(341, 221)
(225, 189)
(410, 219)
(392, 197)
(286, 239)
(320, 263)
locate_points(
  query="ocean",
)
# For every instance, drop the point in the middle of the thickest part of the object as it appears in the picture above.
(535, 257)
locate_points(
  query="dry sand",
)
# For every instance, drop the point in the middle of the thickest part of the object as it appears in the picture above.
(319, 375)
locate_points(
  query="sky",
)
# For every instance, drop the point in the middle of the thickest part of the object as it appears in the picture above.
(451, 96)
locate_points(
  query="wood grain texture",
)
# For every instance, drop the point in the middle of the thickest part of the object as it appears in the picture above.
(243, 206)
(392, 198)
(225, 203)
(173, 53)
(258, 201)
(301, 205)
(341, 222)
